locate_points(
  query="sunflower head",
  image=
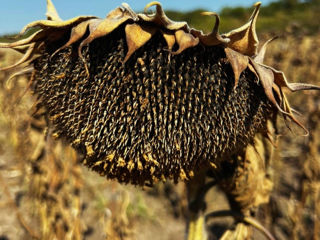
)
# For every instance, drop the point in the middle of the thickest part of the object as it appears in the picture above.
(145, 98)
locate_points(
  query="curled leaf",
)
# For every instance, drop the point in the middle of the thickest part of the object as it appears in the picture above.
(281, 80)
(267, 77)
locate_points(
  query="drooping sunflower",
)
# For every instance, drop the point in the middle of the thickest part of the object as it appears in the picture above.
(145, 98)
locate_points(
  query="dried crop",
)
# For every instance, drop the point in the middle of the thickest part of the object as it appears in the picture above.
(144, 98)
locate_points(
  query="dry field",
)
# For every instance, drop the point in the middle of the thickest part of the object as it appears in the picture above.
(46, 194)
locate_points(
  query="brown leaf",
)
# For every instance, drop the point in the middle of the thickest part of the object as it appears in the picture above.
(244, 39)
(137, 36)
(52, 13)
(239, 63)
(185, 40)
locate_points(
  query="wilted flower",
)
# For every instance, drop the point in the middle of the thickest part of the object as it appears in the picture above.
(145, 98)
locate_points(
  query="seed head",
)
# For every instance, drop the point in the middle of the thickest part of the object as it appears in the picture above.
(145, 98)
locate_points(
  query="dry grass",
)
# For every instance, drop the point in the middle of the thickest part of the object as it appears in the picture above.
(46, 194)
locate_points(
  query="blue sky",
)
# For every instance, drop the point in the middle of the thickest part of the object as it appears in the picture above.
(14, 14)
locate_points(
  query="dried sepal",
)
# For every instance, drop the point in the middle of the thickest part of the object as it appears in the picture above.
(259, 58)
(170, 39)
(37, 36)
(22, 72)
(107, 25)
(213, 38)
(244, 39)
(77, 33)
(281, 80)
(32, 49)
(239, 63)
(137, 36)
(267, 77)
(185, 40)
(159, 18)
(52, 13)
(43, 24)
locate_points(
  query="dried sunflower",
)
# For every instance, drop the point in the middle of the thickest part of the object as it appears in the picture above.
(145, 98)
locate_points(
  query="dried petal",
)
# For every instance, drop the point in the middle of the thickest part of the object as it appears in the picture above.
(239, 63)
(137, 36)
(244, 39)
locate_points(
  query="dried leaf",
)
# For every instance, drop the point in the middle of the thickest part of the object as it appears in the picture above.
(160, 18)
(52, 13)
(239, 63)
(244, 39)
(137, 36)
(185, 40)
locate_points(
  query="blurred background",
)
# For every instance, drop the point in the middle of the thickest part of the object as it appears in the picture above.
(46, 194)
